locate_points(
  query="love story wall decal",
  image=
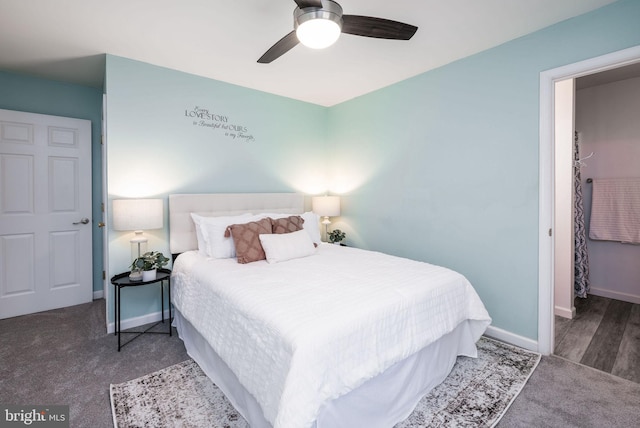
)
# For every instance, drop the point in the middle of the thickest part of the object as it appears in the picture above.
(217, 122)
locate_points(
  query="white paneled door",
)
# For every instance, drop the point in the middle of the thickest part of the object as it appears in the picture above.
(45, 212)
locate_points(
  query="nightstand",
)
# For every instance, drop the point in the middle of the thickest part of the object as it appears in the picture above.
(121, 281)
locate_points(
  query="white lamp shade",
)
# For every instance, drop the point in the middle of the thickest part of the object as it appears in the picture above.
(318, 28)
(318, 33)
(138, 214)
(326, 206)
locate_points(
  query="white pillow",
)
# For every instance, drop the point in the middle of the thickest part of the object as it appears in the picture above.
(274, 216)
(210, 234)
(287, 246)
(312, 226)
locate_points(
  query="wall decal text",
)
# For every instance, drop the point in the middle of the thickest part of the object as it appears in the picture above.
(217, 122)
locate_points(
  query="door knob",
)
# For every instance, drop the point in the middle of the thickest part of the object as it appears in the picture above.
(101, 224)
(83, 221)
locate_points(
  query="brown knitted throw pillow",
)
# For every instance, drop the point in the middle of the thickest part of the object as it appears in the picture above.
(287, 224)
(247, 240)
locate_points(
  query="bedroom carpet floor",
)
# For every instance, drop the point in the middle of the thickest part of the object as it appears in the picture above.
(604, 334)
(65, 356)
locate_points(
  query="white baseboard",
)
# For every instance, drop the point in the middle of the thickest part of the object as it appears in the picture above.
(98, 294)
(565, 312)
(138, 321)
(512, 338)
(625, 297)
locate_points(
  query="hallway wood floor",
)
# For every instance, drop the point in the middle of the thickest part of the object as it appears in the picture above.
(604, 334)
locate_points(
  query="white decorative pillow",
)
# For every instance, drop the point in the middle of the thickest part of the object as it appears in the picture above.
(210, 235)
(287, 246)
(312, 226)
(196, 222)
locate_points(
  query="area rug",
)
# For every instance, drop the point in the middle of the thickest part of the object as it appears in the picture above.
(476, 393)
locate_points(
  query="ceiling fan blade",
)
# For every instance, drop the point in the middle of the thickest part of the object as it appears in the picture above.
(308, 3)
(281, 47)
(379, 28)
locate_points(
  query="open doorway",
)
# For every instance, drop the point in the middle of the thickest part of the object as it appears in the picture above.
(597, 325)
(547, 249)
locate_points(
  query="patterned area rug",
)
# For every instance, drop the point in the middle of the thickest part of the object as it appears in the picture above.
(476, 393)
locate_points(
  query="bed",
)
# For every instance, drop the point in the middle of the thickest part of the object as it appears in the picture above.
(339, 338)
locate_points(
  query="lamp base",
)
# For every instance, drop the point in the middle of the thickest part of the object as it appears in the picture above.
(326, 223)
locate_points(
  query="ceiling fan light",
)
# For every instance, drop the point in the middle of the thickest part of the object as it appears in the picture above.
(318, 33)
(318, 28)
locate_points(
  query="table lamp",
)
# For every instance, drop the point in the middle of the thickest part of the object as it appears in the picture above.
(138, 215)
(326, 206)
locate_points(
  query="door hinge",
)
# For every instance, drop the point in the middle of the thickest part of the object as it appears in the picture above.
(550, 233)
(104, 275)
(102, 206)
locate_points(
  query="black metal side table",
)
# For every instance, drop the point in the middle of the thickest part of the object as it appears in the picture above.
(121, 281)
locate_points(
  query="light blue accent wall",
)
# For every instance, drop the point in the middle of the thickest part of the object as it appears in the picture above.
(34, 95)
(154, 150)
(443, 167)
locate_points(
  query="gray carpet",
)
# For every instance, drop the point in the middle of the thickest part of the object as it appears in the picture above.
(476, 393)
(65, 357)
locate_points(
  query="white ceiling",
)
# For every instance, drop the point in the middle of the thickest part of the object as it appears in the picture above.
(222, 39)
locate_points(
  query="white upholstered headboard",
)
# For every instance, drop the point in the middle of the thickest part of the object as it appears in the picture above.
(182, 232)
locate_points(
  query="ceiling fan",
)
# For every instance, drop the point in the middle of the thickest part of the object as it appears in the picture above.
(326, 15)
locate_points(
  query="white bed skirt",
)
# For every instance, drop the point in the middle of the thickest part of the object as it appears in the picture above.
(380, 402)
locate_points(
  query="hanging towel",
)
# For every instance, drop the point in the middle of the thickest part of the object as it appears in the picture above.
(615, 210)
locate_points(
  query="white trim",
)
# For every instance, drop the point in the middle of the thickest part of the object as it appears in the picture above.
(98, 294)
(106, 284)
(138, 321)
(611, 294)
(545, 217)
(569, 313)
(512, 338)
(546, 181)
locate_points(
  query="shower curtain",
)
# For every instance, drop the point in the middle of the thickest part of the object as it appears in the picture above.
(581, 258)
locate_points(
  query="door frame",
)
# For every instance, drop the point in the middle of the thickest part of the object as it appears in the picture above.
(546, 250)
(105, 217)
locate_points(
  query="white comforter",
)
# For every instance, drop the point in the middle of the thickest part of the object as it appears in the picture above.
(305, 331)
